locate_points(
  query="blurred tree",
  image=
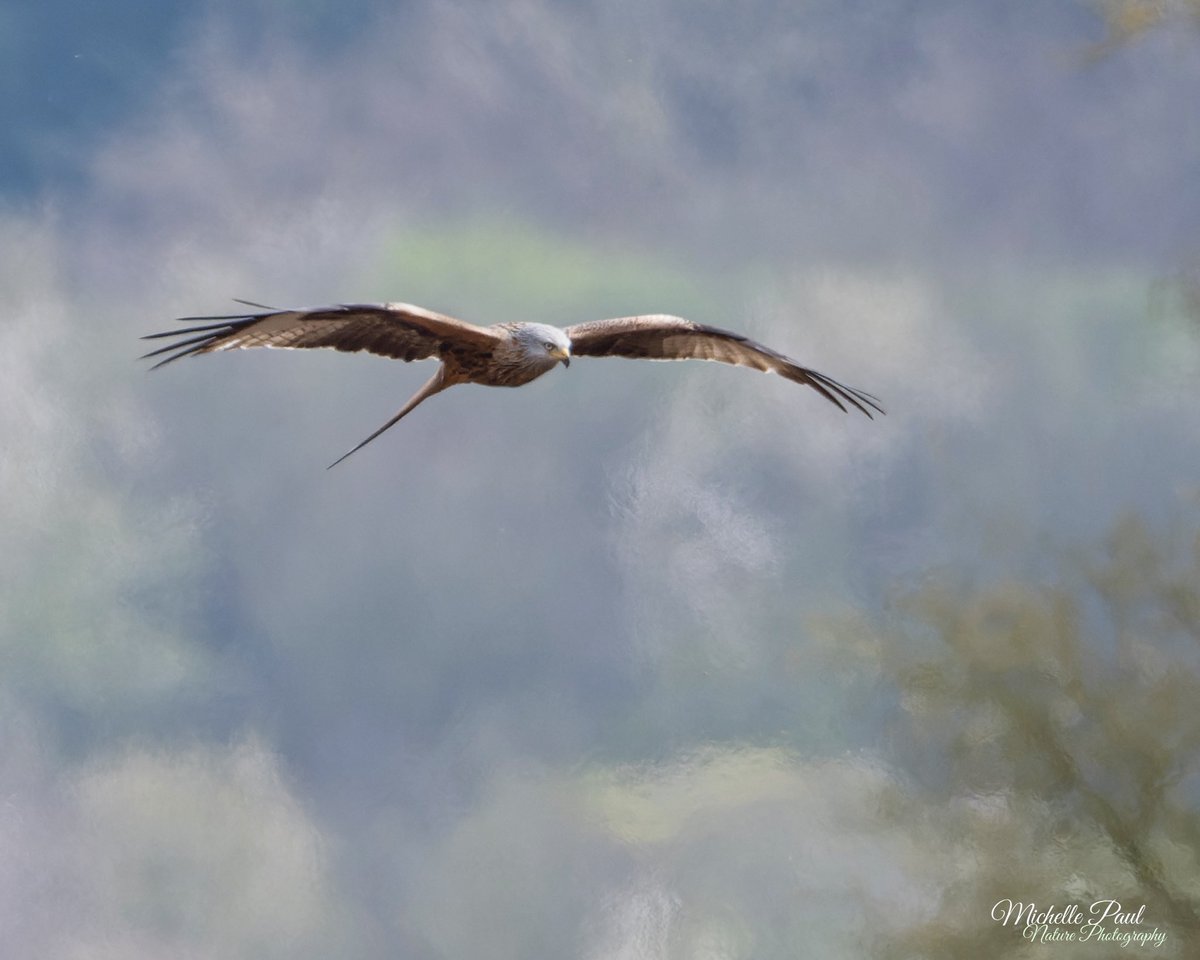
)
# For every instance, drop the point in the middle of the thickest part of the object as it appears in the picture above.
(1127, 20)
(1175, 297)
(1055, 731)
(1044, 749)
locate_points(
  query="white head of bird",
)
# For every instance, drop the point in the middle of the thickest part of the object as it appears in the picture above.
(543, 344)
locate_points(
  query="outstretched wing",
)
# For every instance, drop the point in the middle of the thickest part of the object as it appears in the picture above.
(397, 330)
(661, 337)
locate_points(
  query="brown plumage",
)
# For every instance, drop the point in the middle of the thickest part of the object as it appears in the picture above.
(503, 355)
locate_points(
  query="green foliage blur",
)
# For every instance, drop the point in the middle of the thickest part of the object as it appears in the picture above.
(643, 660)
(1052, 729)
(1044, 746)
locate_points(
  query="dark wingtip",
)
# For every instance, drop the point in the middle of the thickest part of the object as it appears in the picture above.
(832, 390)
(209, 333)
(187, 352)
(259, 306)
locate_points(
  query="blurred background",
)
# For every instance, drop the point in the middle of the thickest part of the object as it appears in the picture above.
(642, 660)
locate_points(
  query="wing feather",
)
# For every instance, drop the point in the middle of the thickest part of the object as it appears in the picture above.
(662, 337)
(398, 330)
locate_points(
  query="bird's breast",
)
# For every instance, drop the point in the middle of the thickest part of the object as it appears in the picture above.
(506, 366)
(509, 376)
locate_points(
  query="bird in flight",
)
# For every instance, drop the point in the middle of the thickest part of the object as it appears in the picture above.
(503, 355)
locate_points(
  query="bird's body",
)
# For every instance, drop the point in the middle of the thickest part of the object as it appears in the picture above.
(502, 355)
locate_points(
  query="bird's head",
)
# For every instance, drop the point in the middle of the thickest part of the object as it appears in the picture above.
(540, 341)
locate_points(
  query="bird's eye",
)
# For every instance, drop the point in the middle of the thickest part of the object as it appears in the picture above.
(549, 345)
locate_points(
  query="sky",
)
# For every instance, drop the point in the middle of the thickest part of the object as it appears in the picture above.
(545, 672)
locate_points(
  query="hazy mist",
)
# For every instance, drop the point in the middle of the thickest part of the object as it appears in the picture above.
(641, 660)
